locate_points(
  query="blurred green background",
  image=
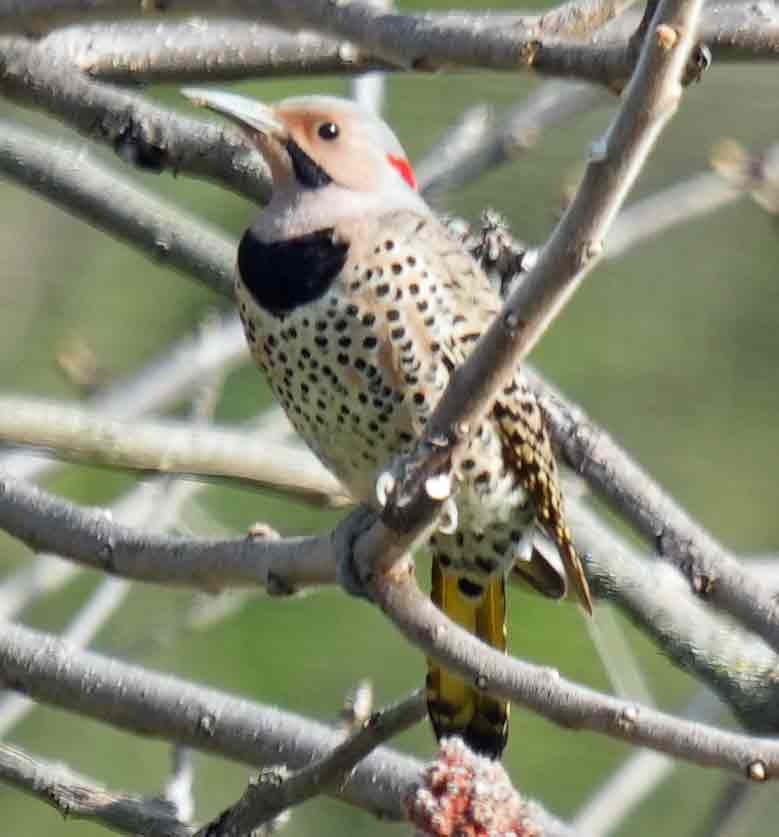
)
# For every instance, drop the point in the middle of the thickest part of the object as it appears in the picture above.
(672, 347)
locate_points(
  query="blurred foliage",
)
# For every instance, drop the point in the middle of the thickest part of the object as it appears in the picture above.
(673, 347)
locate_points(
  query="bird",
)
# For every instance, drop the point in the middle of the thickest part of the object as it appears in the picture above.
(358, 304)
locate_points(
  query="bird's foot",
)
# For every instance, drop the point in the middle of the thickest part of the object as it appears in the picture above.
(346, 535)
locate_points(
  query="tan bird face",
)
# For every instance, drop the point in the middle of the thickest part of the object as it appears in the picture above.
(313, 141)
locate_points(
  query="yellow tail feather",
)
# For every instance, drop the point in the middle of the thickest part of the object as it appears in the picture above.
(455, 707)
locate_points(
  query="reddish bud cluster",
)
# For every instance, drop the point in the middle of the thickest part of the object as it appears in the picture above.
(465, 795)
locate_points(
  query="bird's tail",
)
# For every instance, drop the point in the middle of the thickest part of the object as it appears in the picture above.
(455, 707)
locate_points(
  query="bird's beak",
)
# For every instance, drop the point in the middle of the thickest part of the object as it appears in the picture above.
(246, 113)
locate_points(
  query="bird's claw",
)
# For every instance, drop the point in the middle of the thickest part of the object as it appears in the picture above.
(346, 535)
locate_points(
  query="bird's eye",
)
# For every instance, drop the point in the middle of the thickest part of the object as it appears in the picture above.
(328, 131)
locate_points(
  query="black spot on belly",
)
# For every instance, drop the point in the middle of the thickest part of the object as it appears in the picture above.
(487, 565)
(469, 588)
(283, 275)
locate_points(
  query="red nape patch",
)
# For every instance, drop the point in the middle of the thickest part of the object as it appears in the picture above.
(404, 167)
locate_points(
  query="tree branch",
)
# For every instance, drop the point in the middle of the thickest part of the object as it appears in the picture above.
(578, 19)
(173, 447)
(161, 706)
(284, 564)
(713, 573)
(160, 384)
(737, 665)
(168, 51)
(176, 51)
(429, 43)
(544, 691)
(104, 601)
(541, 41)
(277, 790)
(137, 700)
(79, 798)
(740, 668)
(103, 197)
(45, 522)
(48, 573)
(141, 132)
(679, 203)
(469, 150)
(110, 593)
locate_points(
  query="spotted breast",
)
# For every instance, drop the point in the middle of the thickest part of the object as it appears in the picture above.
(359, 355)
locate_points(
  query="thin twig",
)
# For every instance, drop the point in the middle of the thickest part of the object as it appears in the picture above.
(679, 203)
(74, 796)
(275, 791)
(169, 446)
(459, 143)
(471, 149)
(609, 640)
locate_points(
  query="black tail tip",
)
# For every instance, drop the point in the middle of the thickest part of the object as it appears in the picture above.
(488, 743)
(483, 738)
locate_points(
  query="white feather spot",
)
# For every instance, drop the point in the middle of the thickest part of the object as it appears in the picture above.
(384, 485)
(439, 487)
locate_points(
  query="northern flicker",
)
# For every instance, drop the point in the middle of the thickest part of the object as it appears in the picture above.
(358, 304)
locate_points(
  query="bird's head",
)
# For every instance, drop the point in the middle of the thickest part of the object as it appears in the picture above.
(322, 148)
